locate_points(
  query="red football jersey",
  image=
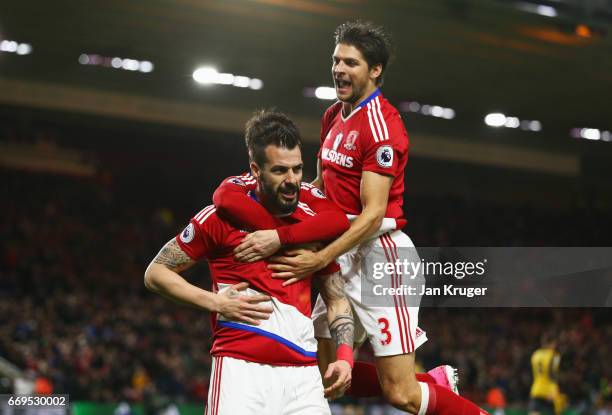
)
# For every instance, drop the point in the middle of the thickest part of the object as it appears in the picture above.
(287, 338)
(371, 138)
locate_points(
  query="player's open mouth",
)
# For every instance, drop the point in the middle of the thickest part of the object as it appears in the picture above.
(342, 86)
(290, 196)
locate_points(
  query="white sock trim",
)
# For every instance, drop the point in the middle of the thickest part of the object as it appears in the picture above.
(424, 398)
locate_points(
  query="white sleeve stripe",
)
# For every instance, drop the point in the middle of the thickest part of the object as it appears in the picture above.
(204, 212)
(207, 215)
(306, 208)
(372, 109)
(382, 119)
(371, 125)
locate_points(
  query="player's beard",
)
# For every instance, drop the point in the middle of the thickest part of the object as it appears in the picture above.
(274, 195)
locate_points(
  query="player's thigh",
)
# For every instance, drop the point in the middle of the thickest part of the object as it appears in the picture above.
(236, 388)
(397, 376)
(391, 322)
(304, 392)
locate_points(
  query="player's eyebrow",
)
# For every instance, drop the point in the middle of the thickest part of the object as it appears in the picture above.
(347, 59)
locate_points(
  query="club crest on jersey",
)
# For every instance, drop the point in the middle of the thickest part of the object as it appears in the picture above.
(350, 140)
(188, 233)
(317, 193)
(337, 141)
(384, 156)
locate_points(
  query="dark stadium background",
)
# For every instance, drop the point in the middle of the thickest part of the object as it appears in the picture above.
(101, 166)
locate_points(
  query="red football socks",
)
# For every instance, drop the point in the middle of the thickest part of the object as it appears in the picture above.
(444, 402)
(365, 381)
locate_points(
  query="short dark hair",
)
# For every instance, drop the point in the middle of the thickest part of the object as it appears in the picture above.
(270, 127)
(374, 43)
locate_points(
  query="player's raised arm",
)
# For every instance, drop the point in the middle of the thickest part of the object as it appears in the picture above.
(342, 329)
(233, 202)
(162, 277)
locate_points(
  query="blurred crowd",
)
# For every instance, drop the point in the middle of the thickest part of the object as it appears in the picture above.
(74, 311)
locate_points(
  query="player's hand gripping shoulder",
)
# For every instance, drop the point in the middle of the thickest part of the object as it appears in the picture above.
(342, 328)
(296, 264)
(257, 246)
(162, 278)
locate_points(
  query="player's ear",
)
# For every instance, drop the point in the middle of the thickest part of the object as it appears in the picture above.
(255, 169)
(375, 71)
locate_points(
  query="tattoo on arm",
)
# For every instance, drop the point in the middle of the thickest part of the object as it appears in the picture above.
(342, 329)
(173, 257)
(332, 288)
(341, 322)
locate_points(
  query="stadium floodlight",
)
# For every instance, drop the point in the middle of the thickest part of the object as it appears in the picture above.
(414, 106)
(12, 46)
(448, 113)
(547, 11)
(130, 64)
(535, 125)
(146, 66)
(495, 119)
(84, 59)
(437, 111)
(242, 81)
(512, 122)
(205, 75)
(590, 133)
(225, 79)
(256, 84)
(325, 92)
(594, 134)
(116, 63)
(540, 9)
(24, 49)
(8, 46)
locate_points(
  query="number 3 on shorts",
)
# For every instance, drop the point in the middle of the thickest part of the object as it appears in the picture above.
(384, 330)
